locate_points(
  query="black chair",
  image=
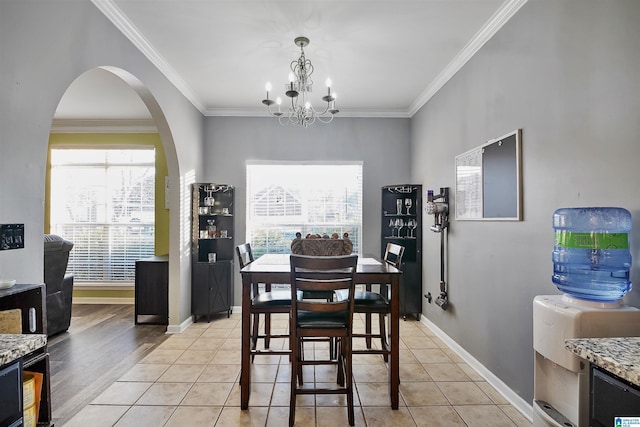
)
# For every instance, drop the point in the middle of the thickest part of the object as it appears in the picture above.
(369, 303)
(318, 318)
(263, 301)
(59, 285)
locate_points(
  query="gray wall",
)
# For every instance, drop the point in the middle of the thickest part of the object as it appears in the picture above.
(568, 74)
(44, 46)
(381, 144)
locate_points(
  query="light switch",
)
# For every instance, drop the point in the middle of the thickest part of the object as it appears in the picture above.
(11, 236)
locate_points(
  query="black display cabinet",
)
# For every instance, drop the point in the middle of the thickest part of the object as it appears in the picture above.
(402, 224)
(212, 249)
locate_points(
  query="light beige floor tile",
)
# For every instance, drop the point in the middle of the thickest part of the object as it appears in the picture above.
(431, 355)
(279, 416)
(267, 359)
(374, 394)
(162, 356)
(435, 416)
(138, 416)
(177, 342)
(263, 373)
(196, 357)
(422, 394)
(220, 374)
(97, 416)
(445, 372)
(284, 373)
(418, 341)
(145, 372)
(471, 373)
(281, 397)
(406, 356)
(413, 372)
(207, 394)
(232, 344)
(182, 374)
(122, 393)
(332, 417)
(164, 394)
(385, 417)
(515, 416)
(463, 393)
(493, 394)
(334, 399)
(370, 373)
(216, 333)
(223, 357)
(234, 417)
(260, 395)
(200, 416)
(453, 355)
(483, 416)
(207, 344)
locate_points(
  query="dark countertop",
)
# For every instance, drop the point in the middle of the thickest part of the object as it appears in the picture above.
(620, 356)
(14, 346)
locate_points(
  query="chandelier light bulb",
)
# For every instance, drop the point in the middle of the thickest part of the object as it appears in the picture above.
(278, 101)
(268, 86)
(291, 78)
(328, 83)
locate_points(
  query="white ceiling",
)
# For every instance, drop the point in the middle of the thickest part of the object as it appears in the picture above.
(385, 58)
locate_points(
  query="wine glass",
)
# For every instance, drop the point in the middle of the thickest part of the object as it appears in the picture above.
(399, 225)
(391, 226)
(412, 224)
(408, 203)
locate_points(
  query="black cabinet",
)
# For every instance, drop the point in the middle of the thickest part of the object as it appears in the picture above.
(212, 249)
(402, 224)
(611, 398)
(30, 299)
(152, 291)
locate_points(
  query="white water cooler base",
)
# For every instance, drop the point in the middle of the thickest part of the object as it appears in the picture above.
(561, 379)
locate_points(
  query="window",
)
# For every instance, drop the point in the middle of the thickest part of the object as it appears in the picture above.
(103, 200)
(283, 199)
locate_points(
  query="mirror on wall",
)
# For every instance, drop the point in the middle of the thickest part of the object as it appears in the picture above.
(489, 180)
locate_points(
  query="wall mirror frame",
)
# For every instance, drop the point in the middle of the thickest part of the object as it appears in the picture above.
(489, 180)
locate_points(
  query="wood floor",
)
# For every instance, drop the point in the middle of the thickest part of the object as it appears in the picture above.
(100, 346)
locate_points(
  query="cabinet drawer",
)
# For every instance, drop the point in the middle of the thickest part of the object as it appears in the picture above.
(612, 397)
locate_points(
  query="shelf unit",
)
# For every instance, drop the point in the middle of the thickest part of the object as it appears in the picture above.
(411, 239)
(27, 297)
(212, 233)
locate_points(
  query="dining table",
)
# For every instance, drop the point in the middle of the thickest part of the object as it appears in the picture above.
(275, 268)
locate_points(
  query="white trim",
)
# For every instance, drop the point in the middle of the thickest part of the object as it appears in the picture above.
(103, 126)
(99, 287)
(502, 15)
(103, 300)
(178, 329)
(524, 407)
(115, 15)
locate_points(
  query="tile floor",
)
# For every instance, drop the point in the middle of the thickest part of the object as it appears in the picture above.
(192, 380)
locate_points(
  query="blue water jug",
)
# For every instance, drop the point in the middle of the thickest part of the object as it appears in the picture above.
(591, 258)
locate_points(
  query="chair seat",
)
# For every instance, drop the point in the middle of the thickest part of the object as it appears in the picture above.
(368, 299)
(272, 299)
(316, 320)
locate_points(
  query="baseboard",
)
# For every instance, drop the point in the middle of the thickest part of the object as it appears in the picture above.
(525, 408)
(177, 329)
(103, 300)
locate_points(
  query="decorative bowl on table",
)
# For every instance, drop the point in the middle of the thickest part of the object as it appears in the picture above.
(6, 284)
(322, 245)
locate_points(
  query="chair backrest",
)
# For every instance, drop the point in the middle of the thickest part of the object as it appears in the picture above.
(56, 258)
(312, 274)
(245, 256)
(393, 254)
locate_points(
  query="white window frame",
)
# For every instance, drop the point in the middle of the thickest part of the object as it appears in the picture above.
(293, 219)
(139, 228)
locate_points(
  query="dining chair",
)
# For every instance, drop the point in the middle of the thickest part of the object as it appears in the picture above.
(263, 301)
(319, 318)
(368, 303)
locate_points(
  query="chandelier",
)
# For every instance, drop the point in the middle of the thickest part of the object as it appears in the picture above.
(299, 88)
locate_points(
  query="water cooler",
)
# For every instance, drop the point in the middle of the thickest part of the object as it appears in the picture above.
(561, 379)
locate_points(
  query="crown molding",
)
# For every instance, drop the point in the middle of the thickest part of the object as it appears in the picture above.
(103, 126)
(262, 112)
(487, 31)
(115, 15)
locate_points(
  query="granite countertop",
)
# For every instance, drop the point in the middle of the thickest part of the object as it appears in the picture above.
(14, 346)
(620, 356)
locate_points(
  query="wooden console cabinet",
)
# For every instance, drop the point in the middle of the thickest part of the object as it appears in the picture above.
(152, 290)
(31, 298)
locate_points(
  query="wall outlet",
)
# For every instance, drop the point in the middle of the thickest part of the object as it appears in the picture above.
(11, 236)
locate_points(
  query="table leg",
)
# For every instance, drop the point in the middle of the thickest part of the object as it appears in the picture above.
(245, 370)
(394, 368)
